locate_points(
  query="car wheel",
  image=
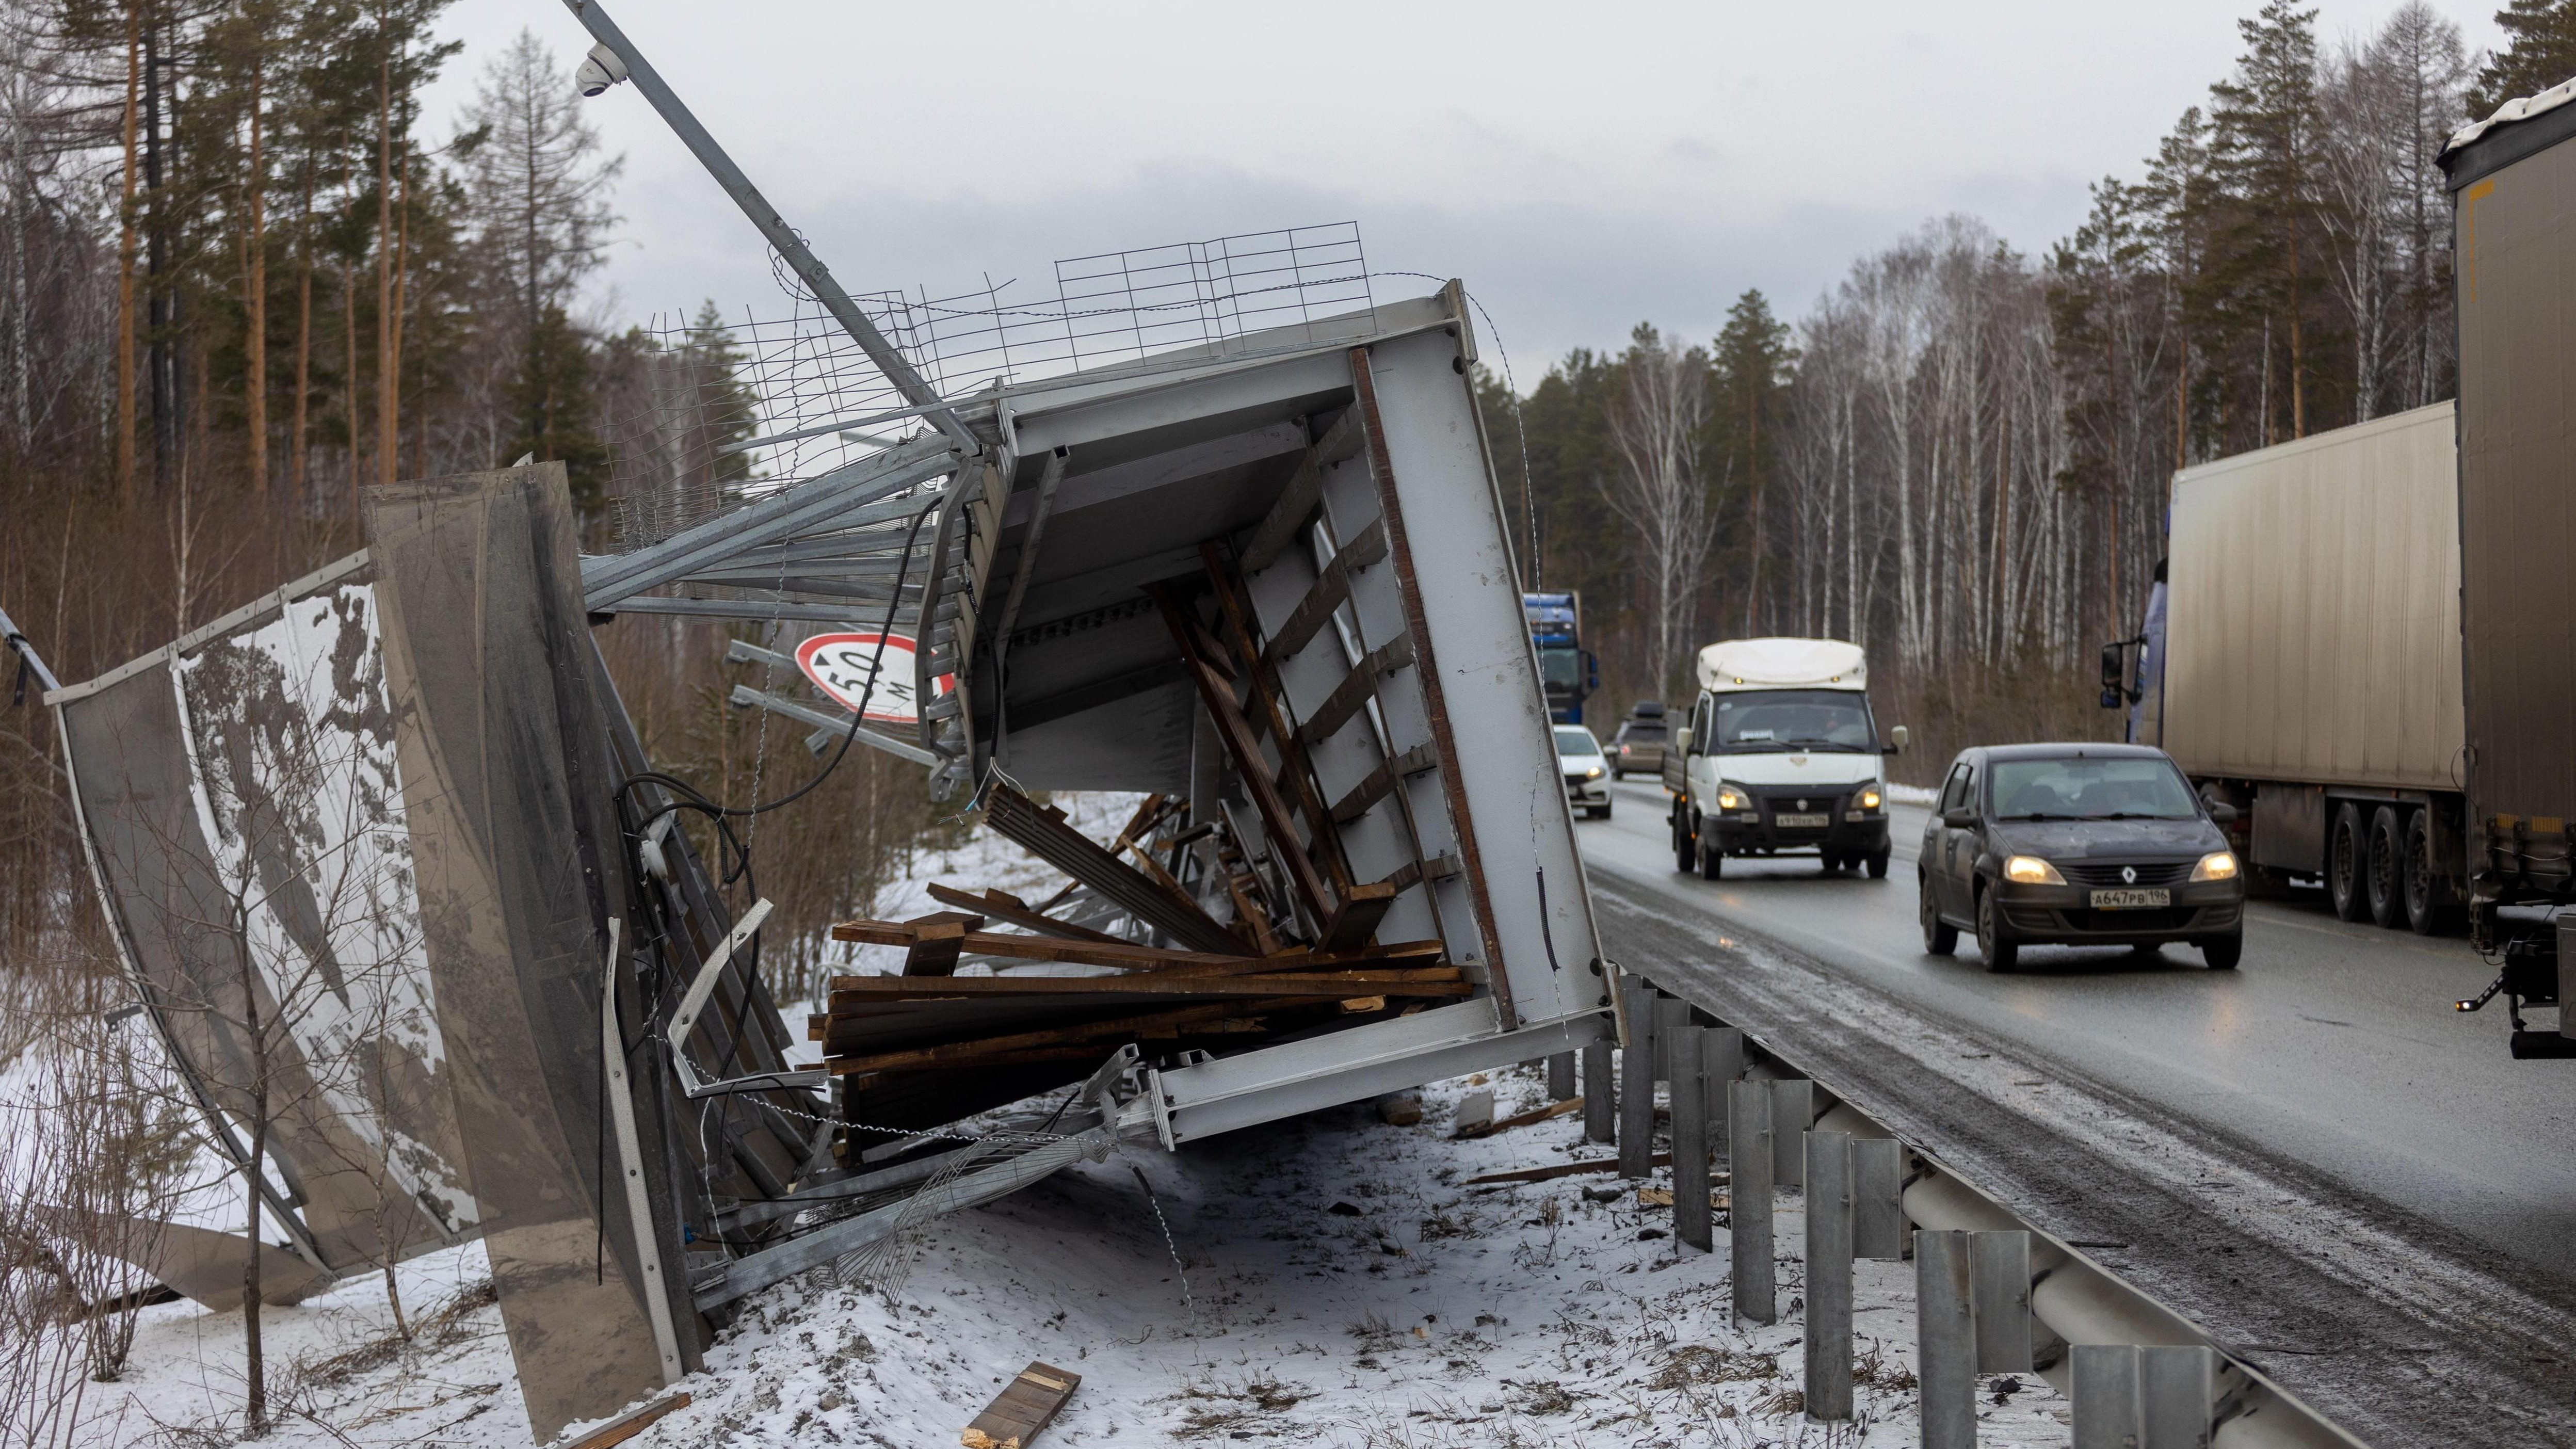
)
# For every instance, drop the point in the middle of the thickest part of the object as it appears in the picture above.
(1833, 862)
(2001, 954)
(2347, 857)
(1878, 865)
(2428, 891)
(1618, 775)
(1712, 861)
(1940, 938)
(1685, 846)
(2386, 881)
(1600, 812)
(2223, 952)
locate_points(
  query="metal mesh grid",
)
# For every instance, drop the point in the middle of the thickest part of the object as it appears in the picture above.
(717, 408)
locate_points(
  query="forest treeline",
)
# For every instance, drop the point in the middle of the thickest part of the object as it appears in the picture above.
(1959, 455)
(243, 274)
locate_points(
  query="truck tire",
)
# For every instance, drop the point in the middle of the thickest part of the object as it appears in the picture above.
(2428, 891)
(1940, 938)
(1712, 861)
(2386, 881)
(1878, 863)
(2347, 859)
(2002, 953)
(1685, 843)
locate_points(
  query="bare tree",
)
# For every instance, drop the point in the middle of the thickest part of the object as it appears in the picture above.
(1658, 416)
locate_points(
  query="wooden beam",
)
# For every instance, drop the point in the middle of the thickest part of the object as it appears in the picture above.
(1018, 819)
(1355, 919)
(950, 1054)
(1331, 590)
(1128, 956)
(1001, 905)
(1296, 503)
(1381, 782)
(627, 1425)
(1236, 735)
(1272, 701)
(936, 941)
(1025, 1405)
(1356, 689)
(1422, 981)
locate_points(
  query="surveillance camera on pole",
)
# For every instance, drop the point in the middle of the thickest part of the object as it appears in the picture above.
(599, 70)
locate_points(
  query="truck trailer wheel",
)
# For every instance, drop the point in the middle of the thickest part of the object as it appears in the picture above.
(2387, 877)
(2347, 859)
(2428, 891)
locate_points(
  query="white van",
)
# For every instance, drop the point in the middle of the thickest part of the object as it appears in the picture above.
(1781, 754)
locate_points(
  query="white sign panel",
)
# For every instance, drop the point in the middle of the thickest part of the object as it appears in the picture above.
(841, 665)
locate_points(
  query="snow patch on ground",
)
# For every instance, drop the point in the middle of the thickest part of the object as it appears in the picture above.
(1912, 794)
(1328, 1280)
(1337, 1284)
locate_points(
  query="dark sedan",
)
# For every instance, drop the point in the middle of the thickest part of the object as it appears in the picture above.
(2078, 845)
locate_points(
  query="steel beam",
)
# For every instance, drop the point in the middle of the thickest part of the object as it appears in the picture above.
(784, 514)
(1829, 1276)
(782, 238)
(1749, 1133)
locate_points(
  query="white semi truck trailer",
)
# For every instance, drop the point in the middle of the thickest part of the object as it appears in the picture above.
(2300, 659)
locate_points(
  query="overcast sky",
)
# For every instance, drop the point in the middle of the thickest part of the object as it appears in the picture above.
(1581, 167)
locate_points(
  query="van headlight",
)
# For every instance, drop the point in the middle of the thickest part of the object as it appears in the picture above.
(1729, 799)
(2217, 865)
(1869, 799)
(2031, 870)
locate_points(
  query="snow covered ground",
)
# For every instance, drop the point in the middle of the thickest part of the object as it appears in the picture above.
(1335, 1284)
(1329, 1280)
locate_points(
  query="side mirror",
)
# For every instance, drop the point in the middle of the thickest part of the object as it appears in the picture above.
(1959, 819)
(1682, 739)
(1898, 738)
(2221, 813)
(2115, 675)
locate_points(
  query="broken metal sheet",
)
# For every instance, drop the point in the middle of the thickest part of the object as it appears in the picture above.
(239, 797)
(520, 862)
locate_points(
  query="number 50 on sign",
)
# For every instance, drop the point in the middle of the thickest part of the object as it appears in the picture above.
(841, 665)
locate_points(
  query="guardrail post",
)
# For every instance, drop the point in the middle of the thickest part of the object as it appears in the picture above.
(1691, 1215)
(1600, 1093)
(1945, 1322)
(2000, 1263)
(1560, 1077)
(1637, 1085)
(1878, 1197)
(1829, 1275)
(1749, 1223)
(1721, 1062)
(1793, 1111)
(2153, 1397)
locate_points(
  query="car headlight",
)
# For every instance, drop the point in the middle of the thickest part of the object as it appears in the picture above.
(2217, 865)
(2031, 870)
(1869, 799)
(1730, 800)
(1593, 774)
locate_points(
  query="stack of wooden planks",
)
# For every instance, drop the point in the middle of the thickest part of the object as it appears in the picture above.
(1097, 994)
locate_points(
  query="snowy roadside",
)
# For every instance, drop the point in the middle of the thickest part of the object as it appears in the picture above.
(1327, 1280)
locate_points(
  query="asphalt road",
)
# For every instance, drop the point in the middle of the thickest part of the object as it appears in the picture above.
(2332, 1045)
(2313, 1157)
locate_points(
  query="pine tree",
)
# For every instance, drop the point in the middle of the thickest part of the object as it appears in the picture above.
(1753, 360)
(2268, 144)
(552, 400)
(2539, 52)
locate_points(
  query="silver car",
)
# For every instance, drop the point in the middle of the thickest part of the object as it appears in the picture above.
(1587, 770)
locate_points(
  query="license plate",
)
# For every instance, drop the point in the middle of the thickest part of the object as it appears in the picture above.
(1802, 822)
(2131, 900)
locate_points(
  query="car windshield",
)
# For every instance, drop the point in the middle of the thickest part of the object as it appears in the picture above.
(1642, 732)
(1560, 666)
(2073, 788)
(1576, 740)
(1815, 719)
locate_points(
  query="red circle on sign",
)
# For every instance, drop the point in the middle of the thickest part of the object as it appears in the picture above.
(841, 665)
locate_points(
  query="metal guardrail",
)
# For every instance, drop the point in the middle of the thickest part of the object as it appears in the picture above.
(2139, 1374)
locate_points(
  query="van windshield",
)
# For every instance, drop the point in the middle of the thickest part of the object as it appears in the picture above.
(1810, 719)
(2126, 788)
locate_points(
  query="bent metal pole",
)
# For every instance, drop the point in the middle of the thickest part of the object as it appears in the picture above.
(791, 248)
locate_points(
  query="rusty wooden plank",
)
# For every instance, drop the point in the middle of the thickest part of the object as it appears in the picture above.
(1025, 1405)
(1424, 981)
(1018, 818)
